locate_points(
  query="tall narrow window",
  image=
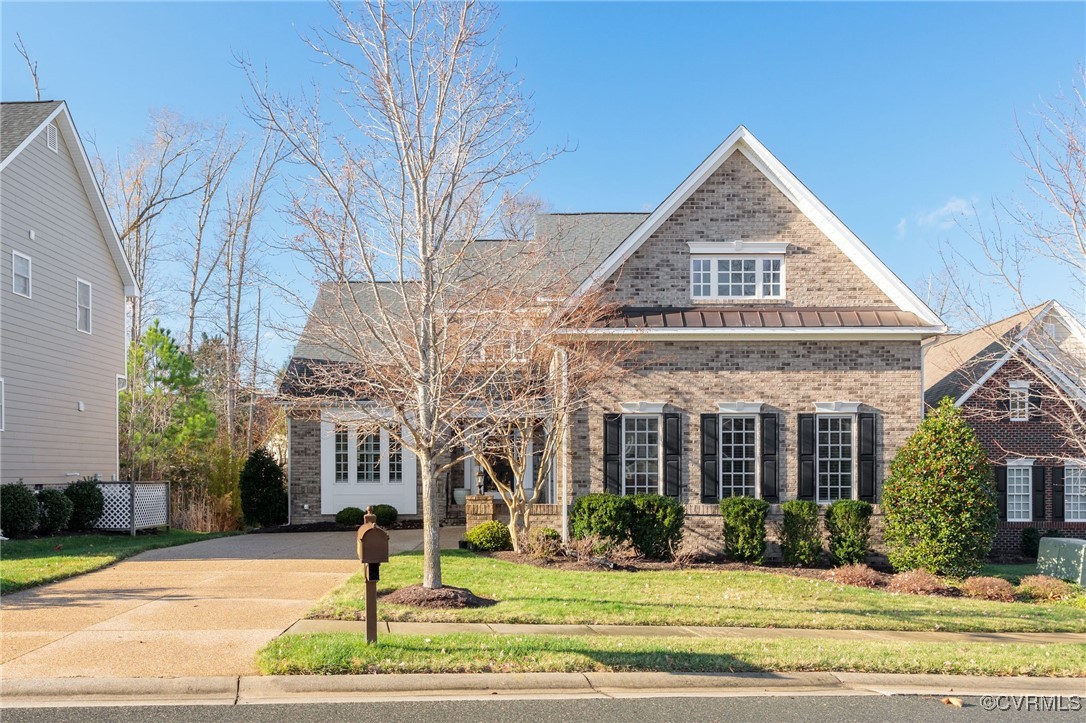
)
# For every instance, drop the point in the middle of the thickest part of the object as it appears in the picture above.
(20, 274)
(395, 461)
(701, 278)
(1019, 401)
(83, 305)
(835, 452)
(737, 456)
(1074, 481)
(343, 455)
(771, 278)
(369, 457)
(1019, 492)
(641, 454)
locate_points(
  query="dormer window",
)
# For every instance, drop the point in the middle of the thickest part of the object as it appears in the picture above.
(736, 270)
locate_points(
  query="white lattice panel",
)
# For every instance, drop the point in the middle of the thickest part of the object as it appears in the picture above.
(152, 505)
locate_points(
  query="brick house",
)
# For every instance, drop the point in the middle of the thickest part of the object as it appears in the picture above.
(1021, 383)
(777, 356)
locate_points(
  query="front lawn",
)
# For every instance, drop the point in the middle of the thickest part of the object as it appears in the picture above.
(26, 563)
(339, 653)
(530, 594)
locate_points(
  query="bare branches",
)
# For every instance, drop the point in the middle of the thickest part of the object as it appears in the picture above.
(31, 65)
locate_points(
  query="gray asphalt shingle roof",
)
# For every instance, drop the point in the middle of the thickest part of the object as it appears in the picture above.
(19, 119)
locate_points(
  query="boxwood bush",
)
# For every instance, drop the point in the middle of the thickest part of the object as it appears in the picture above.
(263, 490)
(350, 516)
(744, 528)
(801, 540)
(88, 503)
(848, 523)
(54, 511)
(18, 509)
(605, 516)
(656, 525)
(490, 536)
(939, 499)
(385, 514)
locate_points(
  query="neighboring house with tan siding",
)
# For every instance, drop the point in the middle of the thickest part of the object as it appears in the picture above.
(64, 279)
(777, 356)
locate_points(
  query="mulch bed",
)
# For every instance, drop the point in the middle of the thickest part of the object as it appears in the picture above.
(443, 598)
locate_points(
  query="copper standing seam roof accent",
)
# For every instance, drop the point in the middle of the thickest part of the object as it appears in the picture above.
(758, 318)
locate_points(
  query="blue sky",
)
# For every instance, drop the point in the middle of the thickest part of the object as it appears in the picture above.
(894, 114)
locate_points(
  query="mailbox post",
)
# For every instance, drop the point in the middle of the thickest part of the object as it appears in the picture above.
(372, 551)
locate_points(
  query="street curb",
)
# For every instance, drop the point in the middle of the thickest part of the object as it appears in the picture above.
(245, 690)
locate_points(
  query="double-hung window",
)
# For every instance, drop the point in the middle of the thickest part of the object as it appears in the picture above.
(363, 454)
(395, 461)
(1019, 490)
(1074, 492)
(20, 274)
(369, 457)
(641, 452)
(738, 460)
(343, 457)
(83, 305)
(1019, 403)
(836, 453)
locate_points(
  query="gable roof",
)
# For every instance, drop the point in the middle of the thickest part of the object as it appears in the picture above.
(958, 365)
(25, 120)
(743, 141)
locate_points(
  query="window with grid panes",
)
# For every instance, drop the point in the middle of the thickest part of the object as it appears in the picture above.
(343, 455)
(1019, 493)
(834, 458)
(395, 461)
(369, 457)
(737, 456)
(641, 454)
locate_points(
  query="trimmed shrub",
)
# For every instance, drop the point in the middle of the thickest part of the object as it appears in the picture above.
(544, 542)
(386, 515)
(988, 588)
(744, 528)
(1031, 542)
(602, 515)
(350, 517)
(54, 511)
(490, 537)
(940, 500)
(18, 509)
(848, 523)
(859, 575)
(801, 541)
(88, 503)
(263, 490)
(918, 582)
(656, 525)
(1045, 587)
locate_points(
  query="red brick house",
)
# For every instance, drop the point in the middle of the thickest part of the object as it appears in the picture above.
(1021, 383)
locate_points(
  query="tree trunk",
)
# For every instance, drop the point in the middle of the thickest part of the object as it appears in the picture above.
(518, 526)
(431, 529)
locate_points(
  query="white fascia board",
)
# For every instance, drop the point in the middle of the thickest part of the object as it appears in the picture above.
(1036, 357)
(743, 141)
(754, 248)
(32, 135)
(768, 334)
(1069, 320)
(988, 374)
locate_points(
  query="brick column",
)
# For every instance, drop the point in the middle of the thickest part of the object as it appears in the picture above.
(478, 509)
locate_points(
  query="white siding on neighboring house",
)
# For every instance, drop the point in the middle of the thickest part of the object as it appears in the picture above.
(48, 366)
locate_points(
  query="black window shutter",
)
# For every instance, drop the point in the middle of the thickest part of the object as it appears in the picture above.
(1038, 492)
(1003, 404)
(710, 458)
(1034, 405)
(769, 457)
(866, 456)
(1057, 494)
(673, 453)
(1001, 490)
(612, 453)
(806, 427)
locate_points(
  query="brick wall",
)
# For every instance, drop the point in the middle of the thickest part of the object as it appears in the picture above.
(738, 202)
(304, 472)
(1044, 438)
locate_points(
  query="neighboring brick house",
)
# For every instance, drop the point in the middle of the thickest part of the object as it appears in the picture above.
(776, 355)
(1021, 383)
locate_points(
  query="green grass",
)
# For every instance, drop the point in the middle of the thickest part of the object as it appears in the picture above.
(1010, 573)
(338, 653)
(26, 563)
(530, 594)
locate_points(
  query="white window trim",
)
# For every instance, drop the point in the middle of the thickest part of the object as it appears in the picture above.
(837, 408)
(1021, 463)
(757, 452)
(659, 449)
(1075, 464)
(334, 496)
(3, 404)
(642, 408)
(853, 443)
(90, 306)
(29, 276)
(740, 408)
(747, 248)
(714, 278)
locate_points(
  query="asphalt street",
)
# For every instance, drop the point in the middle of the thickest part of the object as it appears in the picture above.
(839, 709)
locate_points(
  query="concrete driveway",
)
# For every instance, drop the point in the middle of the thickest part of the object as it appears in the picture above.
(198, 609)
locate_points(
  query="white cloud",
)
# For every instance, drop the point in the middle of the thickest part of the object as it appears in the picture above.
(947, 216)
(902, 225)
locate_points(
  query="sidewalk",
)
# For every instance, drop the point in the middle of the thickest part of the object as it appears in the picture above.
(247, 690)
(689, 631)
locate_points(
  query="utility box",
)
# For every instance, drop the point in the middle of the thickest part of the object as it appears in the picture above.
(1064, 558)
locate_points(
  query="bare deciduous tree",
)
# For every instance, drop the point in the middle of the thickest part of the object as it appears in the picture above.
(31, 65)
